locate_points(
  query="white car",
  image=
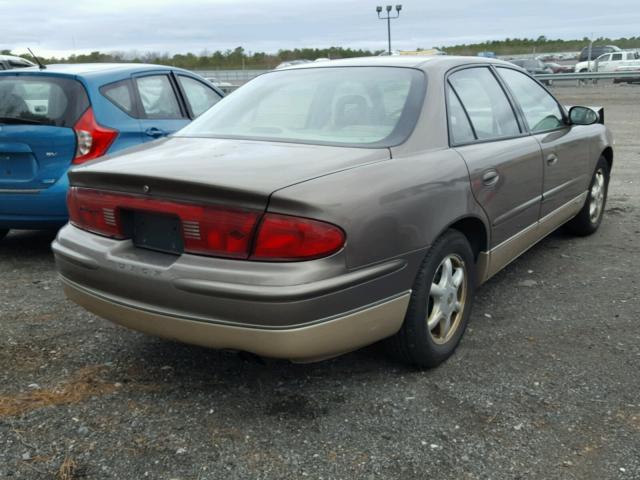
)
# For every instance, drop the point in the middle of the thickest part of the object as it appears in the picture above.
(609, 62)
(8, 62)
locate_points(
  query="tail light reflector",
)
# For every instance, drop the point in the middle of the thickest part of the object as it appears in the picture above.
(211, 230)
(93, 139)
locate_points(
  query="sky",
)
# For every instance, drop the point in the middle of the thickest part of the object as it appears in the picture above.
(62, 27)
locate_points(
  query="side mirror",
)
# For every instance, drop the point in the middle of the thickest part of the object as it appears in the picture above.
(582, 116)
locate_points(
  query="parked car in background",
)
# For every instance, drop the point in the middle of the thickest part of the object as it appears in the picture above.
(291, 63)
(325, 207)
(487, 54)
(534, 67)
(609, 62)
(596, 51)
(66, 115)
(557, 68)
(8, 62)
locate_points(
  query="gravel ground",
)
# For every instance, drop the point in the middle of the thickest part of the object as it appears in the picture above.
(544, 385)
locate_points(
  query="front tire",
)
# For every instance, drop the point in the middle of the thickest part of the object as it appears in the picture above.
(590, 216)
(440, 304)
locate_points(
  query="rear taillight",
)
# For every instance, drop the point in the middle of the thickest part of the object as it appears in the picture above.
(288, 238)
(93, 139)
(211, 230)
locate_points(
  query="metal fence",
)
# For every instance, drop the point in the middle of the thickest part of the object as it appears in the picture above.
(590, 76)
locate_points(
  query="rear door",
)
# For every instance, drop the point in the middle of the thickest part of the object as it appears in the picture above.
(504, 163)
(161, 110)
(37, 140)
(565, 153)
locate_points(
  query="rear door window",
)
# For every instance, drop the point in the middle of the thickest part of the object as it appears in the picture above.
(158, 97)
(459, 127)
(43, 100)
(485, 102)
(199, 96)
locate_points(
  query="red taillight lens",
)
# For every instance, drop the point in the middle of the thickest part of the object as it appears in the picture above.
(94, 211)
(93, 139)
(208, 230)
(288, 238)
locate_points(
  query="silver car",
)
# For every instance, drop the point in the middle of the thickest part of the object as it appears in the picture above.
(325, 207)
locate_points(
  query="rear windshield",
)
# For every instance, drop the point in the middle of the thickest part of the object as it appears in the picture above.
(39, 99)
(351, 106)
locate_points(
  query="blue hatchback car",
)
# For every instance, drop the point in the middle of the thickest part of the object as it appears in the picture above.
(63, 115)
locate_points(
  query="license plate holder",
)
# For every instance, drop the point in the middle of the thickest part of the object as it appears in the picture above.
(156, 232)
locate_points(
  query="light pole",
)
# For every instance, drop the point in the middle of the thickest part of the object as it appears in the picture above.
(388, 18)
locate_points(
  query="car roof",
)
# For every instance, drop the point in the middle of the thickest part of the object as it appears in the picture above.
(430, 63)
(97, 70)
(14, 57)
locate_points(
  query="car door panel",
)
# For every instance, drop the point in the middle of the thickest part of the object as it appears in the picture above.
(512, 202)
(566, 164)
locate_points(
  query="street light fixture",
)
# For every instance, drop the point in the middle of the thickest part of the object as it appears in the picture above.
(388, 18)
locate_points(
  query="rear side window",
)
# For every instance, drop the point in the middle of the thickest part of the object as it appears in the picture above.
(200, 97)
(485, 102)
(459, 126)
(158, 97)
(43, 100)
(121, 95)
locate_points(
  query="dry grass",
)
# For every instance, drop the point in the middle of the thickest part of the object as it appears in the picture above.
(85, 383)
(67, 470)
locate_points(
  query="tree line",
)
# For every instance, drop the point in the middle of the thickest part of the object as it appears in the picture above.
(240, 58)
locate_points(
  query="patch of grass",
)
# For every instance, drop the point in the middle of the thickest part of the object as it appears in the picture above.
(85, 383)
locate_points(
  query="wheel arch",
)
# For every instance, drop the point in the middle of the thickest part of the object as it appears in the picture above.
(476, 231)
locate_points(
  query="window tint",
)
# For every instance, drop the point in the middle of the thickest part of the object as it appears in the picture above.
(372, 106)
(200, 97)
(616, 56)
(158, 98)
(459, 127)
(486, 103)
(47, 100)
(120, 94)
(540, 109)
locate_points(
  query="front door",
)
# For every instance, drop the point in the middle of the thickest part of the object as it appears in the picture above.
(565, 154)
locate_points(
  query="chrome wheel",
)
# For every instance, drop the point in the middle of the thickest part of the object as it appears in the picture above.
(447, 298)
(596, 196)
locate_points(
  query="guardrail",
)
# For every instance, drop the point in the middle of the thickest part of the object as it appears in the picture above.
(590, 76)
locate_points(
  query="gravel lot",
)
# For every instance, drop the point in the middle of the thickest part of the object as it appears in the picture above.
(545, 384)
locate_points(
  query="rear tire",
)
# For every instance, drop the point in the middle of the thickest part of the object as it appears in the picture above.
(440, 304)
(3, 233)
(590, 217)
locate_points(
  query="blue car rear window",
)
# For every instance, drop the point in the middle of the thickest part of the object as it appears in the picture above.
(41, 99)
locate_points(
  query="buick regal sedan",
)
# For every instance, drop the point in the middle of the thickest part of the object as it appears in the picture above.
(328, 206)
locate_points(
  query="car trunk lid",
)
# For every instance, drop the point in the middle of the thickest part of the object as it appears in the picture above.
(238, 173)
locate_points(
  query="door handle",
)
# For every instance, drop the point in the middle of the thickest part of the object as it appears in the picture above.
(552, 159)
(490, 178)
(155, 132)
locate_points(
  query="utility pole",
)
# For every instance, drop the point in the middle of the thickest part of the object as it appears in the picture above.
(388, 18)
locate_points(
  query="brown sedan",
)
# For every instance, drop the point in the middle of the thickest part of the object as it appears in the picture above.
(325, 207)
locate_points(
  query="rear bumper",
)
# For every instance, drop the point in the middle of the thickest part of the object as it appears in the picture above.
(38, 209)
(304, 344)
(298, 310)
